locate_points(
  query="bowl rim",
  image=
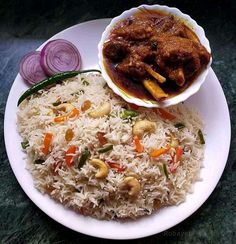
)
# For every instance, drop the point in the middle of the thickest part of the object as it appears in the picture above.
(191, 90)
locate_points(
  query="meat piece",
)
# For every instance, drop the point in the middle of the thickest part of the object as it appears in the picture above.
(144, 51)
(116, 50)
(132, 67)
(168, 25)
(140, 29)
(176, 52)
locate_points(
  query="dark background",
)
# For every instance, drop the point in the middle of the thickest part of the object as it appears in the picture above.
(24, 25)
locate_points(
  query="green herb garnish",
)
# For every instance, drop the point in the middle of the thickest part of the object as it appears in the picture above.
(179, 126)
(24, 144)
(201, 137)
(56, 103)
(105, 149)
(83, 158)
(166, 171)
(39, 161)
(129, 113)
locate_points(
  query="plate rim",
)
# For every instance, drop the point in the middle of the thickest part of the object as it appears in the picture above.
(103, 235)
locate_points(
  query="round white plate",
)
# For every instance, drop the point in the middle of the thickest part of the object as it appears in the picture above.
(209, 101)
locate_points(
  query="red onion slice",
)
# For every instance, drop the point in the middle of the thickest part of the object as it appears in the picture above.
(59, 56)
(30, 68)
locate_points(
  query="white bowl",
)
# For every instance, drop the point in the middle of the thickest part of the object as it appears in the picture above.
(192, 89)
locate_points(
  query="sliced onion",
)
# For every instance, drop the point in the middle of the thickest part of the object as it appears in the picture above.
(30, 68)
(59, 56)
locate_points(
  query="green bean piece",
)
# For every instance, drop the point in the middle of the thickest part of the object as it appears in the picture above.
(179, 126)
(83, 158)
(39, 161)
(24, 144)
(51, 81)
(105, 149)
(201, 137)
(85, 82)
(56, 103)
(165, 171)
(129, 113)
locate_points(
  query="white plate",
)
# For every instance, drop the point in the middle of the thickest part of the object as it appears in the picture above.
(209, 101)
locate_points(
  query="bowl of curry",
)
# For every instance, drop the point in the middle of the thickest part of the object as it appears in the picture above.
(154, 56)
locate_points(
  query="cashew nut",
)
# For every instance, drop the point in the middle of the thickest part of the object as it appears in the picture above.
(132, 174)
(101, 111)
(67, 107)
(142, 126)
(133, 185)
(102, 168)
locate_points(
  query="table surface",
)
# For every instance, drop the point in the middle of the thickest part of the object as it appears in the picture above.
(24, 25)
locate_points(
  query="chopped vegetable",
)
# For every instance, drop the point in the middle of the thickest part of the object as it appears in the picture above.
(69, 155)
(86, 105)
(58, 102)
(85, 82)
(129, 113)
(138, 146)
(39, 161)
(24, 144)
(116, 166)
(55, 166)
(30, 68)
(154, 89)
(51, 81)
(105, 149)
(72, 114)
(201, 137)
(102, 140)
(173, 167)
(69, 135)
(157, 152)
(47, 142)
(83, 158)
(178, 154)
(165, 171)
(179, 126)
(165, 115)
(58, 56)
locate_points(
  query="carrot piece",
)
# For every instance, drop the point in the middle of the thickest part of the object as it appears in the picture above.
(138, 146)
(158, 152)
(116, 166)
(178, 154)
(166, 115)
(102, 140)
(69, 155)
(173, 168)
(47, 142)
(73, 113)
